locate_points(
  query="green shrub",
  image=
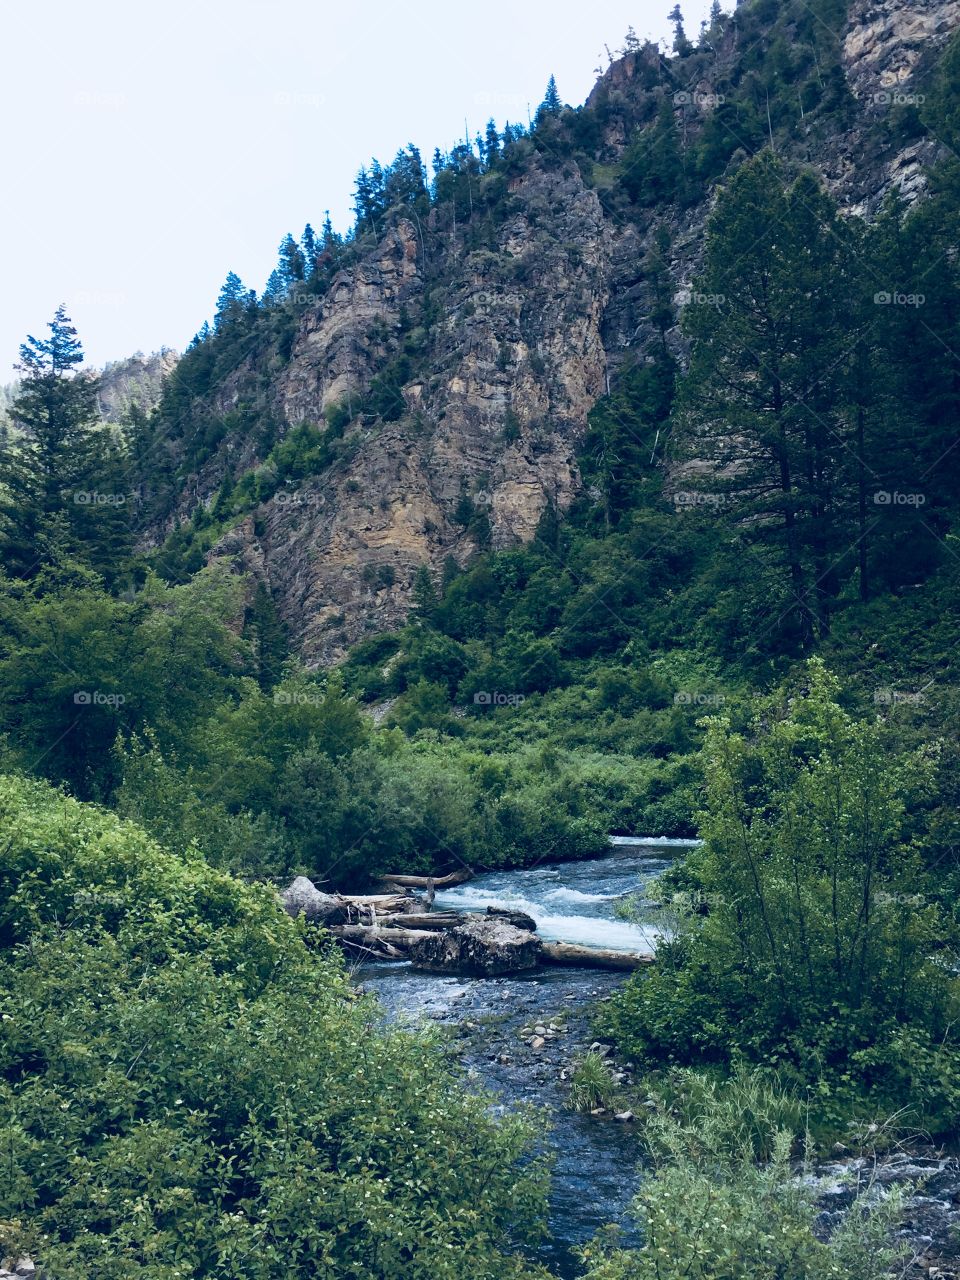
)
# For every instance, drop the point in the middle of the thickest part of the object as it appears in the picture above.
(725, 1200)
(817, 947)
(591, 1084)
(189, 1089)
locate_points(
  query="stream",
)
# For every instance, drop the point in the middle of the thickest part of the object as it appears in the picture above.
(597, 1160)
(596, 1170)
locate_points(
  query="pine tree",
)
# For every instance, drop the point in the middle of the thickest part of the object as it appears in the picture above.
(291, 264)
(265, 628)
(766, 321)
(424, 594)
(681, 45)
(49, 476)
(492, 144)
(551, 104)
(232, 304)
(653, 165)
(309, 248)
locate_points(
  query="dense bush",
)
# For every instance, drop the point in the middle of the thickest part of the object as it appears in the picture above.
(725, 1197)
(812, 942)
(188, 1088)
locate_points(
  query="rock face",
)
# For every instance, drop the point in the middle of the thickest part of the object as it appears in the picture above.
(516, 361)
(484, 946)
(21, 1269)
(500, 335)
(519, 919)
(134, 383)
(303, 898)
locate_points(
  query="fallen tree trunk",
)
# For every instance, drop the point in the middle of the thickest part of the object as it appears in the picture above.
(566, 953)
(302, 897)
(427, 882)
(369, 935)
(422, 920)
(385, 902)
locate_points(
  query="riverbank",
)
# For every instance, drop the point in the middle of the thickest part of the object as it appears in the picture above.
(598, 1159)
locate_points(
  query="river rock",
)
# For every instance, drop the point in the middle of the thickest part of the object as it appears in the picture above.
(303, 898)
(22, 1269)
(483, 945)
(519, 919)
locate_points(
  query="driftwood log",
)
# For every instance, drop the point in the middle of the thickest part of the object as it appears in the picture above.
(425, 882)
(397, 926)
(565, 953)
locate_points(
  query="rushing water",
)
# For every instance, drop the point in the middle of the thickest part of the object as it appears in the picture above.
(596, 1170)
(595, 1175)
(577, 901)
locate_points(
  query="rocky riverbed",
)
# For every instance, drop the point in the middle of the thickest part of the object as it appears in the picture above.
(495, 1022)
(521, 1035)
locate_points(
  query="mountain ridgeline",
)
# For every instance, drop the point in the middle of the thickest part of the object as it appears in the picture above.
(497, 345)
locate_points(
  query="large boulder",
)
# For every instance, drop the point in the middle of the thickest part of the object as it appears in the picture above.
(484, 946)
(19, 1269)
(303, 898)
(519, 919)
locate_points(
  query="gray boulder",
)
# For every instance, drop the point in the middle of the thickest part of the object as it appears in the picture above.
(483, 946)
(303, 898)
(21, 1269)
(519, 919)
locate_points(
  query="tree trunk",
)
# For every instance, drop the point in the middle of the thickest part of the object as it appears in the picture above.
(565, 953)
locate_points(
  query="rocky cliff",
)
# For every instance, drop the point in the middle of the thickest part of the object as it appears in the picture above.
(136, 382)
(503, 335)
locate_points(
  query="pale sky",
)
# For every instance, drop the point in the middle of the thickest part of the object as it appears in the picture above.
(149, 150)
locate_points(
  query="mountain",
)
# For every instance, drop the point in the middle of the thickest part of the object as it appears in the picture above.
(459, 339)
(135, 382)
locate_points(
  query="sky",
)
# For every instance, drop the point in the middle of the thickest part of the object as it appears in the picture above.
(150, 149)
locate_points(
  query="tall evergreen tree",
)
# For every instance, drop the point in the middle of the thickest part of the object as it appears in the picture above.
(62, 482)
(492, 144)
(309, 248)
(269, 637)
(681, 44)
(233, 302)
(551, 104)
(424, 594)
(766, 320)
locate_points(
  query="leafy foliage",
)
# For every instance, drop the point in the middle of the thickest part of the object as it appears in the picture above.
(711, 1209)
(186, 1087)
